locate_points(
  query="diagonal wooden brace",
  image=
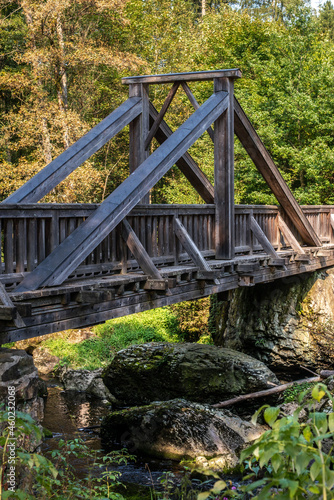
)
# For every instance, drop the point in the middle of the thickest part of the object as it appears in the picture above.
(262, 238)
(248, 137)
(287, 233)
(139, 252)
(6, 301)
(192, 250)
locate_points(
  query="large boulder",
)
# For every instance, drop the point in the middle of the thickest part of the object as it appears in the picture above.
(285, 324)
(204, 373)
(179, 429)
(17, 370)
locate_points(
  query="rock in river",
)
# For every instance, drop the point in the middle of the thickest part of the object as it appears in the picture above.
(204, 373)
(179, 429)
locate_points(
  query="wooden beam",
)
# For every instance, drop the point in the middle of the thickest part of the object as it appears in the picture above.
(139, 252)
(288, 236)
(189, 246)
(195, 105)
(194, 76)
(161, 114)
(224, 175)
(262, 238)
(56, 171)
(79, 244)
(267, 168)
(186, 163)
(6, 301)
(138, 130)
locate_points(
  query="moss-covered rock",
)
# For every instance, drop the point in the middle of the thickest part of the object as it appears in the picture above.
(203, 373)
(284, 324)
(178, 430)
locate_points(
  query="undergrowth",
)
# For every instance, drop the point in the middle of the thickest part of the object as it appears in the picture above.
(166, 324)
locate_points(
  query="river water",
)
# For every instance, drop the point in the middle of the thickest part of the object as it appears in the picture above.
(66, 416)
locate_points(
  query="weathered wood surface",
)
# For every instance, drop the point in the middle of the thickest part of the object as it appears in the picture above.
(78, 245)
(264, 163)
(262, 238)
(43, 223)
(224, 174)
(62, 307)
(51, 175)
(139, 252)
(183, 77)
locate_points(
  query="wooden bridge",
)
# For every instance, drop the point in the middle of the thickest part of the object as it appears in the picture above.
(69, 266)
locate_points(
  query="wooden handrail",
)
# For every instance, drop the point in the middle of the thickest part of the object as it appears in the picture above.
(193, 76)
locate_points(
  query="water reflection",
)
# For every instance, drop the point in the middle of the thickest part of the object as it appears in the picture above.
(67, 413)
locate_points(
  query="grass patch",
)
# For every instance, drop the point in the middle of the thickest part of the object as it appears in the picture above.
(156, 325)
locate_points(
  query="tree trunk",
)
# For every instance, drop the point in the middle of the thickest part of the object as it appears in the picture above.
(62, 90)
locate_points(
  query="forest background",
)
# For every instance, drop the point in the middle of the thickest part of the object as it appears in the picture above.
(61, 64)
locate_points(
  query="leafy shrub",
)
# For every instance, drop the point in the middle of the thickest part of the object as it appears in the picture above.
(193, 317)
(296, 466)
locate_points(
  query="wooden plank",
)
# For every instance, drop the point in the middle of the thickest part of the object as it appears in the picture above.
(9, 246)
(267, 168)
(161, 114)
(262, 238)
(193, 76)
(195, 105)
(51, 175)
(190, 246)
(224, 175)
(186, 163)
(71, 252)
(289, 237)
(139, 252)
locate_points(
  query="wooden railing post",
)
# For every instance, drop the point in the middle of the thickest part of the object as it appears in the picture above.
(138, 130)
(224, 174)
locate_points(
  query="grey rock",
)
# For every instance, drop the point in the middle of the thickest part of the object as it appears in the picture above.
(86, 381)
(179, 429)
(204, 373)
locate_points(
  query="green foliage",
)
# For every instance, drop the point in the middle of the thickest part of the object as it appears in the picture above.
(292, 393)
(292, 451)
(193, 317)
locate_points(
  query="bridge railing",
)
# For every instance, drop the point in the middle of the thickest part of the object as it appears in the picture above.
(30, 232)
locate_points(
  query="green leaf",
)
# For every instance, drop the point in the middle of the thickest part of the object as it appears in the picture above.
(307, 433)
(257, 413)
(318, 393)
(218, 487)
(204, 495)
(270, 415)
(315, 470)
(314, 489)
(301, 463)
(320, 421)
(276, 461)
(331, 422)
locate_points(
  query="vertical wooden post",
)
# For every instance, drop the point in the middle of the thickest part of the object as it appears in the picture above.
(224, 174)
(139, 129)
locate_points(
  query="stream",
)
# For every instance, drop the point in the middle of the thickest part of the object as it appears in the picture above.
(68, 413)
